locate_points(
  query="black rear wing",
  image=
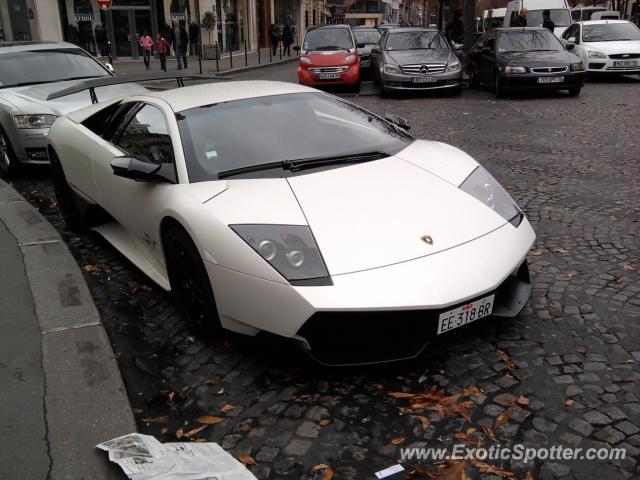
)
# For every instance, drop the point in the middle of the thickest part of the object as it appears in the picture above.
(93, 83)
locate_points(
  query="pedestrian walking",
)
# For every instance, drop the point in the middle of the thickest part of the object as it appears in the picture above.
(194, 33)
(146, 42)
(274, 37)
(455, 28)
(287, 39)
(519, 20)
(547, 22)
(162, 47)
(180, 41)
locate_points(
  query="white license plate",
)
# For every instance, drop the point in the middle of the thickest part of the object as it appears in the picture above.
(550, 79)
(424, 79)
(465, 314)
(625, 63)
(328, 76)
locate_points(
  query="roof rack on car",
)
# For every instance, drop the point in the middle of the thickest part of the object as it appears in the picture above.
(94, 83)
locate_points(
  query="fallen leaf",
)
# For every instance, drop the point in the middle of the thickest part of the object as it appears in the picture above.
(301, 398)
(398, 440)
(536, 253)
(508, 361)
(471, 390)
(561, 251)
(451, 471)
(209, 420)
(522, 400)
(501, 420)
(179, 433)
(325, 422)
(164, 430)
(490, 469)
(91, 268)
(401, 395)
(489, 433)
(227, 408)
(528, 476)
(629, 267)
(141, 288)
(211, 382)
(163, 419)
(419, 472)
(245, 427)
(424, 421)
(171, 395)
(195, 431)
(569, 402)
(571, 274)
(246, 459)
(327, 473)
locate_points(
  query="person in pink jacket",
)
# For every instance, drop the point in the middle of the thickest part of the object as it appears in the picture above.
(146, 42)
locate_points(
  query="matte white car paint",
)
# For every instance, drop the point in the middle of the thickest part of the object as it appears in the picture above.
(367, 219)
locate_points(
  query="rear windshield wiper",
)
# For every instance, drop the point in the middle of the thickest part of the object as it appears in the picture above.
(304, 163)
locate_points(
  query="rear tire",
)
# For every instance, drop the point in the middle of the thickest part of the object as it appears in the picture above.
(9, 166)
(190, 282)
(356, 87)
(67, 206)
(473, 77)
(574, 92)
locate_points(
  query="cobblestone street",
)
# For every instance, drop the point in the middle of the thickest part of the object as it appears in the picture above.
(566, 371)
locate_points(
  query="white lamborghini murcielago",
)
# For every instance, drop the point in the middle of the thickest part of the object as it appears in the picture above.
(273, 207)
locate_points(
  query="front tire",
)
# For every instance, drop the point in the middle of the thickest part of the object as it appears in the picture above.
(8, 164)
(473, 77)
(499, 88)
(190, 282)
(574, 92)
(67, 205)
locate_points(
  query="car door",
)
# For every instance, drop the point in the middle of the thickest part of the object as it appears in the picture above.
(579, 48)
(475, 55)
(488, 56)
(143, 134)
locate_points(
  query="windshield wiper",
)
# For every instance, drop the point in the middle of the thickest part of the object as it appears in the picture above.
(304, 163)
(330, 47)
(543, 50)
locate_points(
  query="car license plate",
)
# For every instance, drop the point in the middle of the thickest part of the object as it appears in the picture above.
(465, 314)
(625, 63)
(424, 79)
(328, 76)
(550, 79)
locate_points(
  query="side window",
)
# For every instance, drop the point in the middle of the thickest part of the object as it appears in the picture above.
(146, 137)
(99, 121)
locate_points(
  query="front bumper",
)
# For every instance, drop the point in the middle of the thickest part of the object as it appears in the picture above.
(415, 289)
(399, 81)
(530, 81)
(30, 145)
(598, 65)
(348, 78)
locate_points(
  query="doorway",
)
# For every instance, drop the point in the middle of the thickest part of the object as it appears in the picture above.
(127, 26)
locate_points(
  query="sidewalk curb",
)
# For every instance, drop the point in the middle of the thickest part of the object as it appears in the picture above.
(85, 401)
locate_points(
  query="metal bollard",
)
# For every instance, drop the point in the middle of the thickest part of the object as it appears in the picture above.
(245, 53)
(217, 58)
(230, 59)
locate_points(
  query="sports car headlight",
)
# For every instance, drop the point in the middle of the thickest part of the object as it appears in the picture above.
(514, 70)
(453, 67)
(305, 60)
(38, 120)
(290, 249)
(350, 58)
(593, 54)
(388, 68)
(481, 185)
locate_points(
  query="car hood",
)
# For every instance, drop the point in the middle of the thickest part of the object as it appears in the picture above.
(374, 214)
(324, 59)
(612, 48)
(538, 59)
(408, 57)
(33, 98)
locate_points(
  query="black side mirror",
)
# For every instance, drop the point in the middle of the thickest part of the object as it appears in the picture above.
(360, 45)
(376, 50)
(296, 48)
(570, 46)
(397, 120)
(134, 169)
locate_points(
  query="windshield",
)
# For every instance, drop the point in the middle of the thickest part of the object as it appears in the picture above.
(328, 39)
(527, 41)
(227, 136)
(370, 37)
(560, 17)
(415, 41)
(46, 66)
(610, 32)
(584, 15)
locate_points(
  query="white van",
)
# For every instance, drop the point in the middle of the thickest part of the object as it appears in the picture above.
(493, 18)
(559, 9)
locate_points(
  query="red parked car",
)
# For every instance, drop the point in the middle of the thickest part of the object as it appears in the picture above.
(329, 56)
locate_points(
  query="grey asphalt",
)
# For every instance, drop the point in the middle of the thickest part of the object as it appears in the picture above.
(60, 388)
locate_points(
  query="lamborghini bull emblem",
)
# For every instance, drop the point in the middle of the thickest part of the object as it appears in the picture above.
(427, 239)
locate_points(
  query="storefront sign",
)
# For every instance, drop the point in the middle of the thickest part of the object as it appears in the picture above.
(178, 16)
(104, 4)
(83, 17)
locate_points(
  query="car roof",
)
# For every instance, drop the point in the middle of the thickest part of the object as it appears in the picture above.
(325, 27)
(194, 96)
(413, 29)
(602, 22)
(6, 47)
(512, 29)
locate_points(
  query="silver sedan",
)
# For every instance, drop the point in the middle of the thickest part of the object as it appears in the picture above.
(415, 59)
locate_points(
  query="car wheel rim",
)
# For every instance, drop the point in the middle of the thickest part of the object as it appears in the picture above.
(187, 287)
(4, 153)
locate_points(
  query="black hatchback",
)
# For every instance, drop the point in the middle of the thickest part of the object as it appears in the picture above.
(524, 58)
